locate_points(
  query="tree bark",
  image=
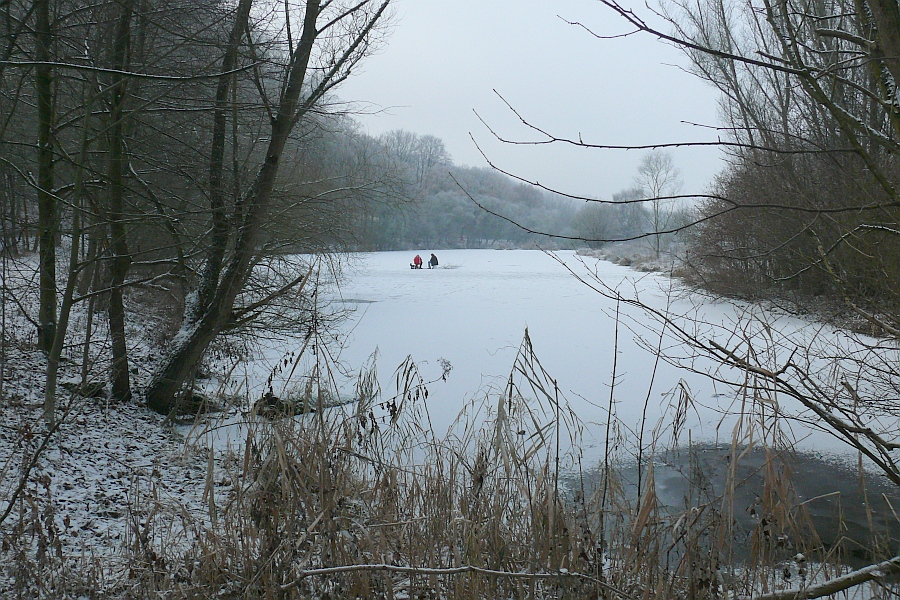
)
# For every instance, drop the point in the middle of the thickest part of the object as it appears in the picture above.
(118, 165)
(191, 343)
(215, 256)
(69, 292)
(886, 14)
(47, 209)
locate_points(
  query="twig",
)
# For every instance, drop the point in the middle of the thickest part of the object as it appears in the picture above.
(448, 571)
(26, 472)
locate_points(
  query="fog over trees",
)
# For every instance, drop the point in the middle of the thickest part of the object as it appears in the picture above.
(161, 130)
(437, 205)
(183, 148)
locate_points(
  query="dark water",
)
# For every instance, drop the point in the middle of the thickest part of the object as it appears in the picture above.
(826, 498)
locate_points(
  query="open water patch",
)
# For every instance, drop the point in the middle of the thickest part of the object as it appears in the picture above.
(800, 500)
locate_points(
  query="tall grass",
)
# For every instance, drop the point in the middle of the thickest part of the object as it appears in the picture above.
(370, 502)
(367, 500)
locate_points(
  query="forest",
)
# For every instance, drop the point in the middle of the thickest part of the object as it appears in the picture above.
(179, 181)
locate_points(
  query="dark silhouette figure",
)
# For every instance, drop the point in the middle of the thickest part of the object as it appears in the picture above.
(432, 262)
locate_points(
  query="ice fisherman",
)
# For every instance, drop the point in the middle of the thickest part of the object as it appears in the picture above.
(432, 262)
(417, 262)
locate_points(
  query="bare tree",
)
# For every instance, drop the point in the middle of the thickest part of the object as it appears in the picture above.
(338, 35)
(658, 179)
(48, 217)
(420, 153)
(118, 167)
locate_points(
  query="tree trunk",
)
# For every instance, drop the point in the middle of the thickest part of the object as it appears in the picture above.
(10, 219)
(189, 348)
(69, 292)
(118, 164)
(192, 342)
(47, 209)
(65, 310)
(195, 337)
(215, 256)
(181, 363)
(886, 14)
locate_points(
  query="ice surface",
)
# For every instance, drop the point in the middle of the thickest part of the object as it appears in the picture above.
(473, 311)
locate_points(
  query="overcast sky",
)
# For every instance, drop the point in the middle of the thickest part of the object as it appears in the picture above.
(443, 59)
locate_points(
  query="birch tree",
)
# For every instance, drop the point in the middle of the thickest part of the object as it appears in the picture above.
(658, 177)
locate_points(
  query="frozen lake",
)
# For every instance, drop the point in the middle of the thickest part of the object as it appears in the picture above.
(473, 311)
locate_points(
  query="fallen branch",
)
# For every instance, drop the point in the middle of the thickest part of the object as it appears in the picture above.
(833, 586)
(449, 571)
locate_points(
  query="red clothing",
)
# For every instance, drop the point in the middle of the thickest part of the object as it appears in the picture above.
(417, 261)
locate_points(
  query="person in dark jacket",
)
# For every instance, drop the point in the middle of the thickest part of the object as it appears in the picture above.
(432, 262)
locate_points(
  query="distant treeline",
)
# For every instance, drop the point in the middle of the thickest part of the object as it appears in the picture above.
(436, 203)
(433, 202)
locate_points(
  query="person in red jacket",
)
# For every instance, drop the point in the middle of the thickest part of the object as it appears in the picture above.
(417, 262)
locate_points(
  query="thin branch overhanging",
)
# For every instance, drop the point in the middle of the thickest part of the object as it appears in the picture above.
(736, 205)
(642, 26)
(552, 139)
(847, 432)
(118, 72)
